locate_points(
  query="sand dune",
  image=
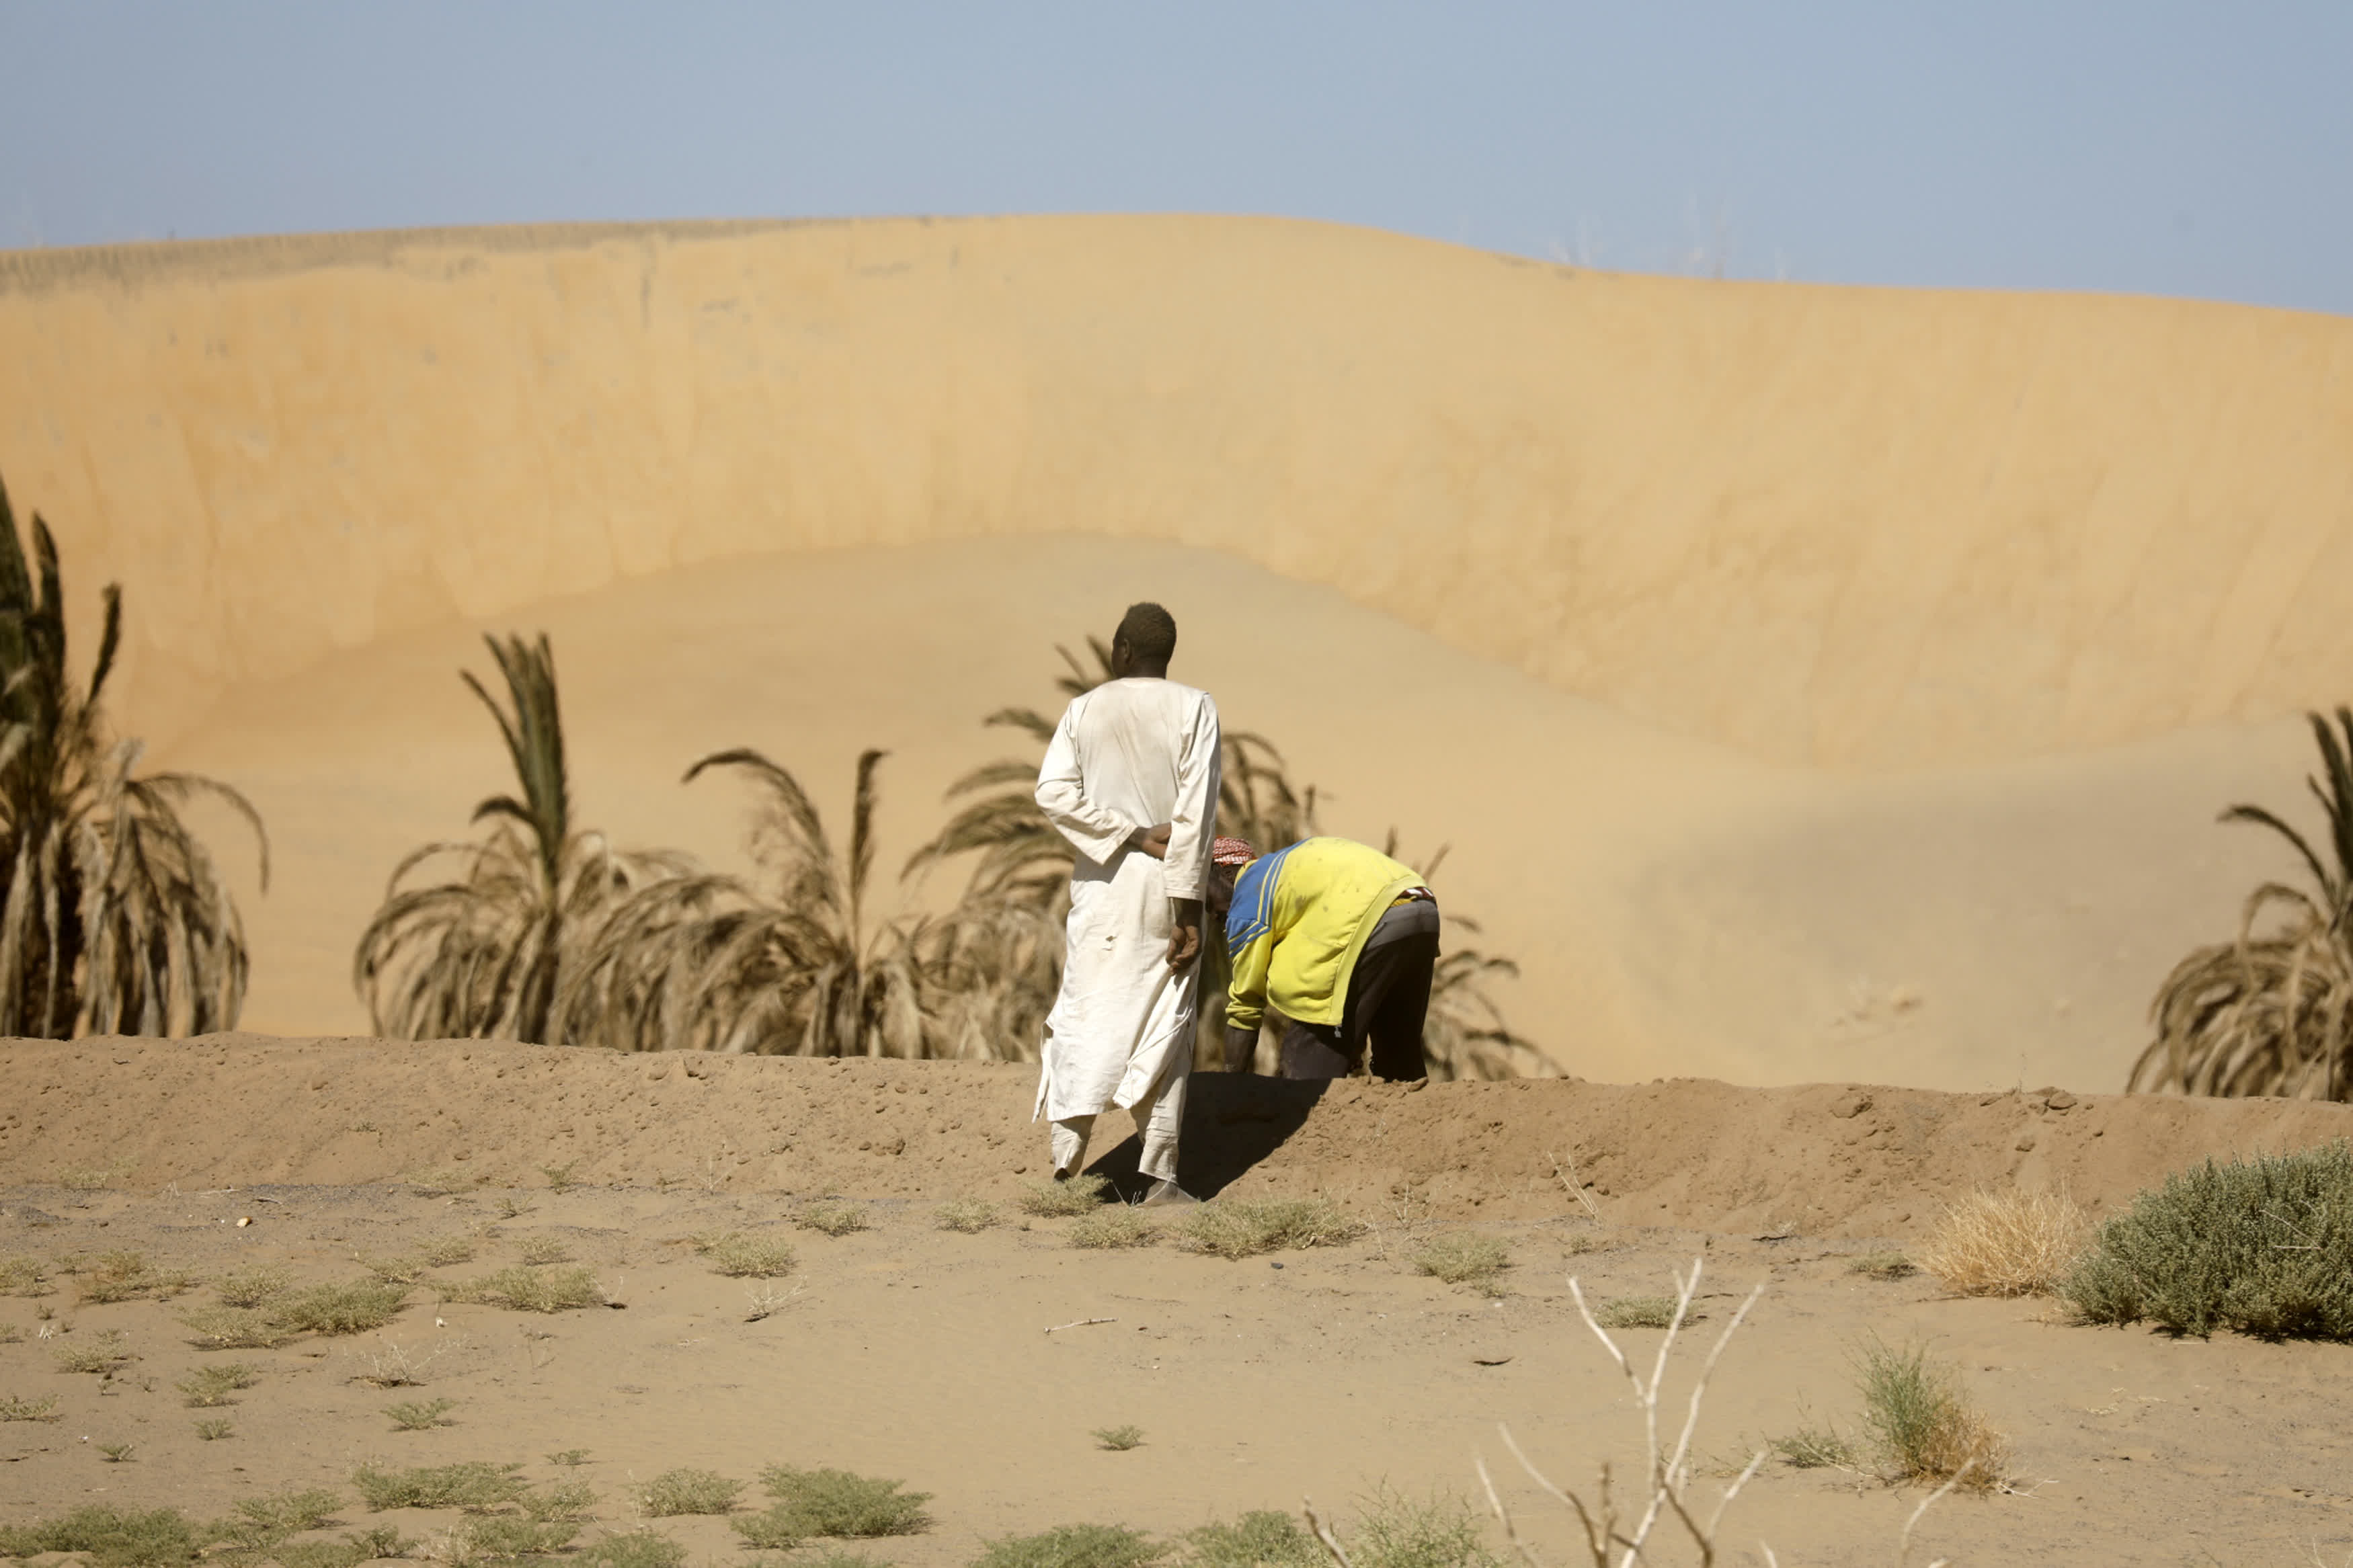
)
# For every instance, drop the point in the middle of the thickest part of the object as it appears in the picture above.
(1811, 683)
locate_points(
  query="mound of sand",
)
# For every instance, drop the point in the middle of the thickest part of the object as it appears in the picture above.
(1610, 583)
(1817, 1160)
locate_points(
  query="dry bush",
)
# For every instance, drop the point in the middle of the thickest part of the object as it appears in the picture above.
(1081, 1194)
(966, 1214)
(1240, 1227)
(23, 1277)
(837, 1503)
(539, 1250)
(1074, 1546)
(289, 1512)
(1393, 1530)
(208, 1387)
(2260, 1245)
(1639, 1312)
(631, 1549)
(741, 1256)
(103, 1354)
(441, 1251)
(2005, 1244)
(125, 1276)
(473, 1484)
(404, 1270)
(448, 1182)
(420, 1414)
(15, 1408)
(1923, 1422)
(1462, 1259)
(1883, 1265)
(832, 1219)
(252, 1286)
(234, 1329)
(1112, 1225)
(214, 1431)
(355, 1307)
(524, 1289)
(1261, 1538)
(683, 1490)
(1118, 1439)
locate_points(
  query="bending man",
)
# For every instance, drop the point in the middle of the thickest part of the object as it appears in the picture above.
(1131, 780)
(1340, 940)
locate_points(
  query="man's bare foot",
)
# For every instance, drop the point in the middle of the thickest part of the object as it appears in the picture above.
(1167, 1195)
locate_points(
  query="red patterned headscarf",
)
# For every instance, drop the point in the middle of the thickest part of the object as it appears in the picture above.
(1232, 852)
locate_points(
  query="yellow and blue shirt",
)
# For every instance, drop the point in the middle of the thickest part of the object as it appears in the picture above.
(1300, 918)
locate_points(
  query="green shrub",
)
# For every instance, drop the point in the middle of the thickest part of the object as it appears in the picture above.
(104, 1354)
(1393, 1530)
(125, 1276)
(420, 1414)
(630, 1549)
(23, 1277)
(1460, 1259)
(1814, 1449)
(837, 1503)
(1118, 1439)
(968, 1215)
(2262, 1245)
(537, 1250)
(214, 1431)
(1921, 1421)
(287, 1512)
(15, 1408)
(355, 1307)
(563, 1500)
(1059, 1200)
(525, 1289)
(234, 1329)
(687, 1491)
(473, 1484)
(771, 1529)
(209, 1387)
(833, 1219)
(440, 1251)
(1638, 1312)
(506, 1539)
(1113, 1225)
(741, 1256)
(1074, 1546)
(252, 1286)
(1238, 1227)
(111, 1537)
(1262, 1539)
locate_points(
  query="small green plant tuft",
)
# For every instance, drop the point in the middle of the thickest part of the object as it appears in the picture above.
(441, 1251)
(208, 1387)
(1393, 1530)
(1118, 1439)
(631, 1549)
(682, 1491)
(1921, 1421)
(538, 1250)
(966, 1214)
(109, 1537)
(1082, 1194)
(1074, 1546)
(1261, 1538)
(521, 1288)
(126, 1277)
(559, 1177)
(213, 1431)
(833, 1218)
(115, 1452)
(355, 1307)
(103, 1354)
(475, 1485)
(1462, 1259)
(15, 1408)
(824, 1503)
(234, 1329)
(568, 1457)
(563, 1500)
(289, 1512)
(1816, 1449)
(90, 1178)
(1883, 1266)
(1242, 1228)
(1112, 1225)
(2260, 1245)
(420, 1414)
(741, 1256)
(24, 1277)
(252, 1286)
(405, 1268)
(1638, 1312)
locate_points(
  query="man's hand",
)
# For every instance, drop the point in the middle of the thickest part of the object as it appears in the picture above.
(1185, 935)
(1153, 841)
(1241, 1049)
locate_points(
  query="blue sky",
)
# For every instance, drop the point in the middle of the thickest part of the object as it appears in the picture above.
(2202, 149)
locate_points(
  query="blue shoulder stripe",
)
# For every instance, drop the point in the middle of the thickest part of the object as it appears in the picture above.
(1252, 915)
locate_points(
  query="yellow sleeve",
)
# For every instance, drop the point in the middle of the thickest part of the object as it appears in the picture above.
(1246, 991)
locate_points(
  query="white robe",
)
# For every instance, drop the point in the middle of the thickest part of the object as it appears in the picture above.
(1128, 754)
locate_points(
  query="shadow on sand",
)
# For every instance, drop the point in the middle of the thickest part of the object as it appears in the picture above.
(1232, 1120)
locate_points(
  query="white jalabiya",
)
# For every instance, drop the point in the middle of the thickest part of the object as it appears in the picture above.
(1128, 754)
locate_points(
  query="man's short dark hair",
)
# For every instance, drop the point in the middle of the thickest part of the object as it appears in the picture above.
(1150, 633)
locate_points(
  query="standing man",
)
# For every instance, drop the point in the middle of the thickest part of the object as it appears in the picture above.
(1339, 938)
(1131, 780)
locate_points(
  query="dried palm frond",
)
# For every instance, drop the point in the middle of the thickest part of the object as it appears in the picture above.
(2271, 1015)
(791, 967)
(483, 952)
(114, 918)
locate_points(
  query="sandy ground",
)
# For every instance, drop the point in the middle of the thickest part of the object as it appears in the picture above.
(908, 1351)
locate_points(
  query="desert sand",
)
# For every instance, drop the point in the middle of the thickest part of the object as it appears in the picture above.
(1810, 682)
(907, 1352)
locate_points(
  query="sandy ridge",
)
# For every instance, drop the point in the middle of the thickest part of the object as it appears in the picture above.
(1818, 1159)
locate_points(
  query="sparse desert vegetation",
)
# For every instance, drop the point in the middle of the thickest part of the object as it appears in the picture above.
(741, 1256)
(1081, 1194)
(968, 1216)
(688, 1490)
(1108, 1225)
(1461, 1257)
(1922, 1421)
(832, 1219)
(524, 1289)
(1242, 1228)
(2004, 1244)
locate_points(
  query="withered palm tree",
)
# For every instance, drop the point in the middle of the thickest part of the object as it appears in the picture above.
(482, 952)
(115, 919)
(2271, 1013)
(795, 966)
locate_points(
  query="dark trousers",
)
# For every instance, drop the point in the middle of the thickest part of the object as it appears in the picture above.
(1388, 996)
